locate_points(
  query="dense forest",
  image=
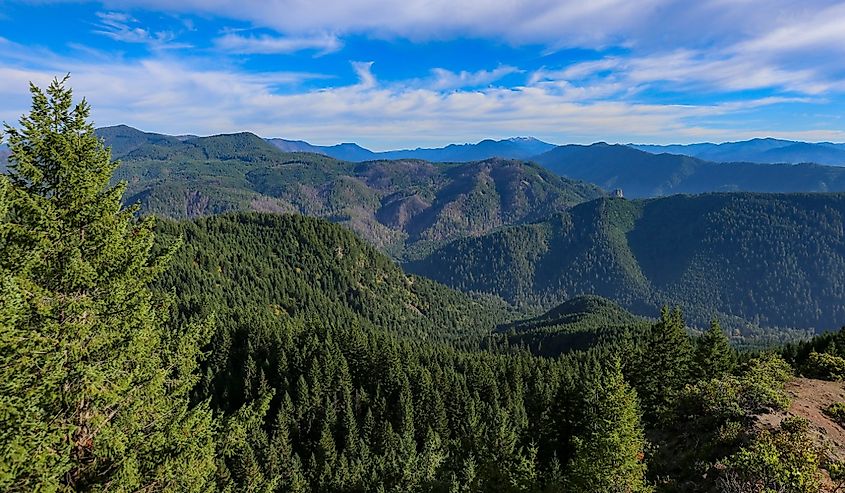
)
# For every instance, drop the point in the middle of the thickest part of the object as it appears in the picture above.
(771, 260)
(642, 174)
(265, 352)
(403, 207)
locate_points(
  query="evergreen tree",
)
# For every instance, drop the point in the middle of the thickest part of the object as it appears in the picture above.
(609, 448)
(94, 381)
(665, 365)
(713, 356)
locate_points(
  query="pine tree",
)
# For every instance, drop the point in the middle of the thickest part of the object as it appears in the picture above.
(608, 449)
(94, 381)
(713, 355)
(665, 365)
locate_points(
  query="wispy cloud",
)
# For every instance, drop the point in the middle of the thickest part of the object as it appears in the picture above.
(446, 79)
(122, 27)
(266, 44)
(364, 71)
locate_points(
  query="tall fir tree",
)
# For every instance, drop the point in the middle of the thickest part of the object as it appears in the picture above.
(713, 356)
(664, 365)
(94, 381)
(608, 449)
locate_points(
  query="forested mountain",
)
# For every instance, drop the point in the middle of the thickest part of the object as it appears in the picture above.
(757, 151)
(513, 148)
(123, 139)
(776, 260)
(400, 206)
(642, 174)
(292, 266)
(577, 324)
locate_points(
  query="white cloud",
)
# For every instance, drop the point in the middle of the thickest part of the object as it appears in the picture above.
(364, 70)
(265, 44)
(711, 45)
(122, 27)
(595, 23)
(446, 79)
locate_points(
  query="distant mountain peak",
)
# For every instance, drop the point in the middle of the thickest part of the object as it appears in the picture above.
(519, 147)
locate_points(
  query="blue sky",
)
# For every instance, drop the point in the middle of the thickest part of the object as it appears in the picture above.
(390, 74)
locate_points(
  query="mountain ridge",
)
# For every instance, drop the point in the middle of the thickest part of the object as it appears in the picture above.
(642, 174)
(400, 206)
(770, 259)
(760, 150)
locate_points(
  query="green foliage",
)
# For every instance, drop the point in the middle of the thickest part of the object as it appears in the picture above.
(836, 411)
(785, 460)
(94, 379)
(577, 324)
(336, 372)
(609, 447)
(713, 356)
(404, 207)
(664, 366)
(824, 366)
(714, 418)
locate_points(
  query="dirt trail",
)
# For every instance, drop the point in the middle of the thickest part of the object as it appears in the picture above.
(809, 397)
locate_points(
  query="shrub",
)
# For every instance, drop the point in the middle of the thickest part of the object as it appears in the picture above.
(825, 366)
(784, 460)
(836, 412)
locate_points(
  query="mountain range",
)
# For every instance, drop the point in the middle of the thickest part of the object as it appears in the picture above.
(775, 260)
(535, 234)
(513, 148)
(400, 206)
(757, 151)
(642, 174)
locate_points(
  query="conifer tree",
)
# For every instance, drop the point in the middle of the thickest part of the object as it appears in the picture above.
(608, 449)
(665, 365)
(94, 380)
(713, 356)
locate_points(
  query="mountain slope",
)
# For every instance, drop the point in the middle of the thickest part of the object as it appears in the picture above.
(298, 265)
(758, 151)
(641, 174)
(124, 139)
(579, 323)
(405, 207)
(776, 260)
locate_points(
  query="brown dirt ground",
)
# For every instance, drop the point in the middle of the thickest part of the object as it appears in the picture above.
(809, 397)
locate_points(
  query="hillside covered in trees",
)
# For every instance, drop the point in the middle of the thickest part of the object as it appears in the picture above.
(396, 205)
(774, 260)
(642, 174)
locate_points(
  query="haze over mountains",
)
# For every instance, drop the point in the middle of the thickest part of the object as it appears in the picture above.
(513, 148)
(642, 174)
(766, 150)
(762, 150)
